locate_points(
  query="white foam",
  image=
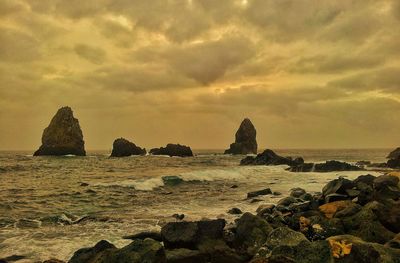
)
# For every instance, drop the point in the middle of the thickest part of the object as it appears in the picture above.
(139, 184)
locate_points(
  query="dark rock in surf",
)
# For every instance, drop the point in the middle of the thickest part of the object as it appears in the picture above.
(328, 166)
(393, 163)
(173, 150)
(171, 180)
(235, 211)
(266, 191)
(269, 157)
(63, 135)
(123, 147)
(147, 234)
(245, 139)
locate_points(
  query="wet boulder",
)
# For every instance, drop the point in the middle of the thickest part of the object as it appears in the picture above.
(172, 180)
(251, 233)
(123, 147)
(337, 186)
(269, 157)
(348, 249)
(173, 150)
(245, 139)
(63, 136)
(191, 234)
(138, 251)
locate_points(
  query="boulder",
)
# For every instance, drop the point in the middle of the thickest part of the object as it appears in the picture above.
(191, 234)
(138, 251)
(337, 186)
(184, 255)
(235, 211)
(284, 236)
(251, 233)
(172, 180)
(173, 150)
(393, 163)
(395, 154)
(287, 201)
(348, 249)
(297, 192)
(269, 157)
(328, 166)
(245, 139)
(123, 147)
(63, 135)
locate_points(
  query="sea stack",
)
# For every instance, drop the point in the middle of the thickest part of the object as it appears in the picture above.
(245, 139)
(122, 147)
(173, 150)
(63, 135)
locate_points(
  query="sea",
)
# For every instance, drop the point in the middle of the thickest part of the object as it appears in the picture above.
(52, 206)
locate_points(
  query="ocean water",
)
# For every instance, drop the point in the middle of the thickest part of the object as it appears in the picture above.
(46, 212)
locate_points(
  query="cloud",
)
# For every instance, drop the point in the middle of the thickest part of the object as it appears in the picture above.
(92, 54)
(17, 46)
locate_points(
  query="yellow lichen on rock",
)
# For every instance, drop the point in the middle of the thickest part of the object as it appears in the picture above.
(330, 209)
(340, 248)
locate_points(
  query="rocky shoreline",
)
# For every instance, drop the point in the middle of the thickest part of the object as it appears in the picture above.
(349, 221)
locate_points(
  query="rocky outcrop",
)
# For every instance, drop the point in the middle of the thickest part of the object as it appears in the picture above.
(395, 154)
(173, 150)
(245, 139)
(269, 157)
(63, 135)
(328, 166)
(123, 147)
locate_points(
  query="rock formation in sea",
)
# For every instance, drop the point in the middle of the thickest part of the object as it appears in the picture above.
(122, 147)
(349, 221)
(245, 139)
(173, 150)
(63, 135)
(328, 166)
(269, 157)
(395, 154)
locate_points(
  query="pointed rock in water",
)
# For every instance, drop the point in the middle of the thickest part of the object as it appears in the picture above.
(63, 135)
(395, 154)
(173, 150)
(122, 147)
(245, 139)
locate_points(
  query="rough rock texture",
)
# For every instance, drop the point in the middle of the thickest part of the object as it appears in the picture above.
(123, 147)
(328, 166)
(63, 135)
(173, 150)
(269, 157)
(138, 251)
(245, 139)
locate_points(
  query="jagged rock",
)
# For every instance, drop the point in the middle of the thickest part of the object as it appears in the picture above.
(173, 150)
(191, 234)
(63, 135)
(245, 139)
(337, 186)
(328, 166)
(123, 147)
(269, 157)
(395, 154)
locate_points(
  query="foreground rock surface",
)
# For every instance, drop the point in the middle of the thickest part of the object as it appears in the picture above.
(173, 150)
(122, 147)
(245, 139)
(63, 135)
(349, 221)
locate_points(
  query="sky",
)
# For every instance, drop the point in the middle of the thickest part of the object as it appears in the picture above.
(308, 73)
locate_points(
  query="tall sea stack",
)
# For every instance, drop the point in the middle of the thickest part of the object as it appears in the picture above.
(245, 139)
(63, 135)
